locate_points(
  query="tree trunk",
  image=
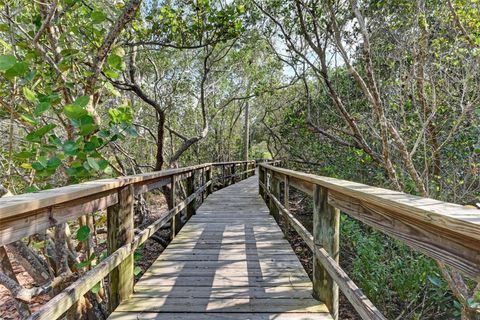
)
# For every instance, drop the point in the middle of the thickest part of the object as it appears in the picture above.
(159, 161)
(246, 133)
(6, 267)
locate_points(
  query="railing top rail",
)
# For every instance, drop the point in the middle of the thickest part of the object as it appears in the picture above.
(231, 162)
(16, 205)
(455, 219)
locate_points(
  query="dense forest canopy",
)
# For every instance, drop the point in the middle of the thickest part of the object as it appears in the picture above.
(384, 92)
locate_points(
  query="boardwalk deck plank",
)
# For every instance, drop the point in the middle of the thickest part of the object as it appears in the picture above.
(230, 261)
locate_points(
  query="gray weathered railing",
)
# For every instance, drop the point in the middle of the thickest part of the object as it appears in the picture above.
(447, 232)
(28, 214)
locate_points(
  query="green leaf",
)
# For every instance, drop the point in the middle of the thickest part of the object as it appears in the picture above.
(68, 52)
(53, 163)
(24, 155)
(87, 120)
(131, 131)
(121, 114)
(29, 95)
(4, 27)
(92, 162)
(28, 118)
(89, 146)
(82, 233)
(31, 189)
(87, 129)
(96, 288)
(108, 170)
(7, 61)
(115, 61)
(42, 160)
(103, 164)
(41, 108)
(82, 101)
(119, 51)
(110, 73)
(36, 135)
(435, 281)
(37, 166)
(137, 255)
(74, 111)
(112, 89)
(70, 147)
(137, 270)
(104, 254)
(98, 16)
(19, 69)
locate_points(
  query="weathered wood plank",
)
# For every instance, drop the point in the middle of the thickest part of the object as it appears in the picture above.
(226, 257)
(224, 271)
(274, 292)
(230, 250)
(219, 281)
(120, 315)
(221, 305)
(148, 186)
(217, 264)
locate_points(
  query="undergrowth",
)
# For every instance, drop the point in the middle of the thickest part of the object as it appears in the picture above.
(402, 283)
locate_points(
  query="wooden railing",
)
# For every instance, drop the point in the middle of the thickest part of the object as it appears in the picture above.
(446, 232)
(28, 214)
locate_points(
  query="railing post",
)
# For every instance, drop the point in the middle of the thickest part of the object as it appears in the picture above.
(326, 232)
(175, 222)
(273, 188)
(191, 190)
(245, 169)
(268, 187)
(286, 199)
(208, 177)
(223, 176)
(119, 233)
(261, 179)
(232, 178)
(275, 193)
(202, 183)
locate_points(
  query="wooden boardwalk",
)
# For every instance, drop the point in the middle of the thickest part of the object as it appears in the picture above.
(230, 261)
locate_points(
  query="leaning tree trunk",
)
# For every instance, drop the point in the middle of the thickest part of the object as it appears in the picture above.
(9, 280)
